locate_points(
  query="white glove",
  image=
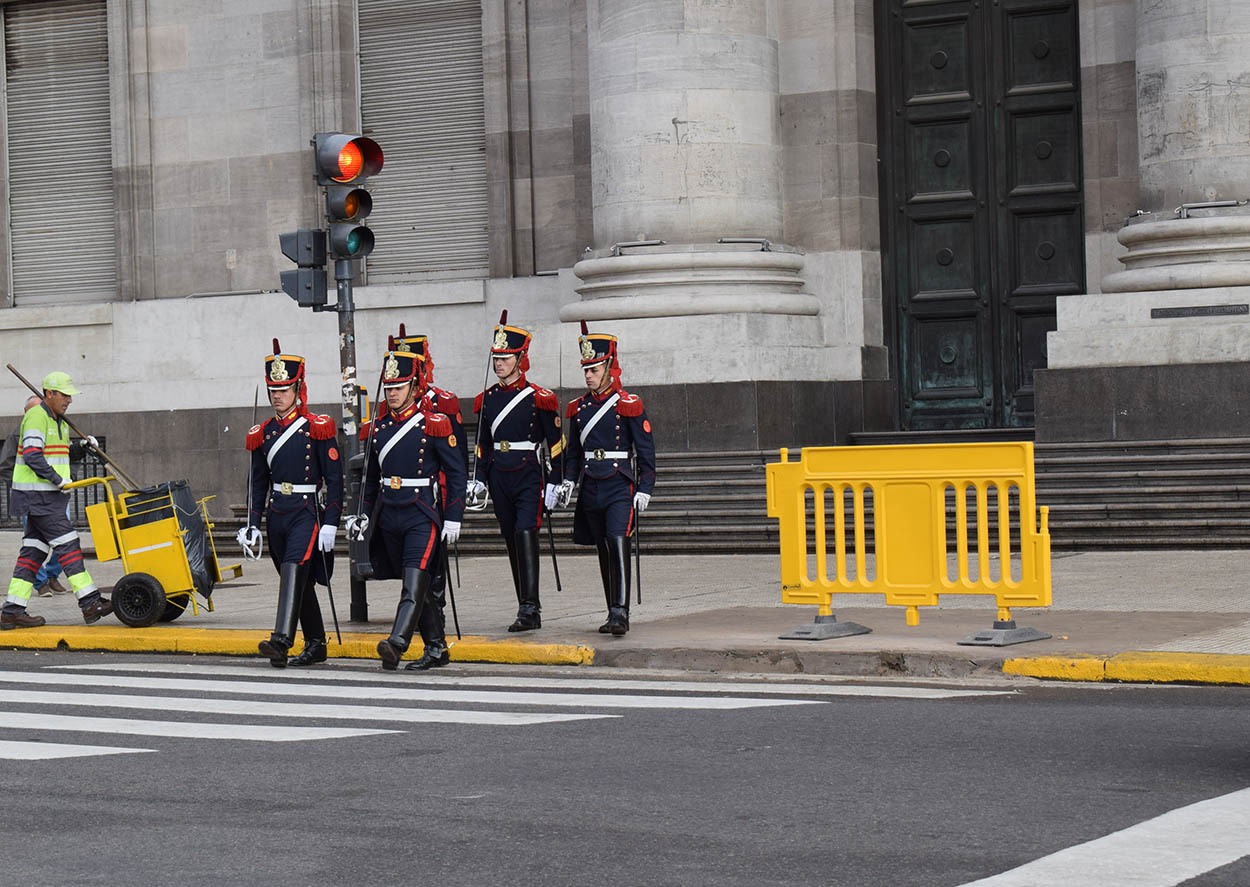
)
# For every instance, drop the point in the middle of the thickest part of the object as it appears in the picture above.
(640, 502)
(357, 525)
(566, 494)
(475, 495)
(249, 540)
(92, 442)
(552, 496)
(451, 531)
(325, 537)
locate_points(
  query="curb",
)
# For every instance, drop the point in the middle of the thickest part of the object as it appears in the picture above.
(1138, 667)
(239, 642)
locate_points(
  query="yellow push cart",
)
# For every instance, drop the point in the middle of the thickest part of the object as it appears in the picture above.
(163, 536)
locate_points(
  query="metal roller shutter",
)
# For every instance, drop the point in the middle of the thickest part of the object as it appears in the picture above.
(422, 101)
(61, 210)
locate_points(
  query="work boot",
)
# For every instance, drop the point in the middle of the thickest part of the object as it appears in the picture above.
(57, 587)
(314, 652)
(97, 609)
(20, 619)
(527, 617)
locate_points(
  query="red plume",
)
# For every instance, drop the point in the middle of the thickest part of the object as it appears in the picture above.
(390, 343)
(277, 349)
(503, 317)
(585, 330)
(403, 331)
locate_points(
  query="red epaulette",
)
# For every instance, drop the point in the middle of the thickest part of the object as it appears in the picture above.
(255, 437)
(366, 428)
(477, 402)
(629, 404)
(321, 427)
(437, 425)
(545, 400)
(446, 402)
(571, 412)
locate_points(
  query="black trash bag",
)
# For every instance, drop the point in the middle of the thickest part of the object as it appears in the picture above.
(175, 499)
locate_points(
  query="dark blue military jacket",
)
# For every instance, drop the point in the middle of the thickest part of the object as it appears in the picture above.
(534, 420)
(604, 450)
(306, 457)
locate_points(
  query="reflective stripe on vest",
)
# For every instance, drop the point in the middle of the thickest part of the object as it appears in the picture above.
(39, 429)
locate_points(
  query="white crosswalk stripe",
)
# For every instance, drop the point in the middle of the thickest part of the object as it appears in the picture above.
(529, 682)
(279, 708)
(11, 750)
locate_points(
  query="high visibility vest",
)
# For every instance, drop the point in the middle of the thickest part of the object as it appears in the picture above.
(39, 429)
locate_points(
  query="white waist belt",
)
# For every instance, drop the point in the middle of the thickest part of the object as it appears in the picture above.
(396, 483)
(288, 489)
(600, 455)
(505, 445)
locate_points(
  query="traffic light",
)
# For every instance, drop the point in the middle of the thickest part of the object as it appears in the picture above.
(344, 163)
(307, 249)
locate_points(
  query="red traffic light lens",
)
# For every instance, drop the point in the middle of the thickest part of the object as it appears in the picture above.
(345, 158)
(351, 162)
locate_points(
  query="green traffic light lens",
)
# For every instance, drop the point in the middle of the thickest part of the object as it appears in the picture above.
(354, 242)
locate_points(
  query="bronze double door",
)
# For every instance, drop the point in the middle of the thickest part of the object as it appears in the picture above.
(981, 201)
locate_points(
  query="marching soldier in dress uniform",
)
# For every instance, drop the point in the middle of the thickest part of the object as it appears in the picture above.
(294, 455)
(432, 624)
(516, 418)
(409, 448)
(611, 452)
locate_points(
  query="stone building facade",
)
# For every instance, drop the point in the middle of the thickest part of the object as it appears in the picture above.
(802, 218)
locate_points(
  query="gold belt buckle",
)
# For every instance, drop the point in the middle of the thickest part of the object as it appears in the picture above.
(505, 445)
(397, 482)
(599, 454)
(287, 488)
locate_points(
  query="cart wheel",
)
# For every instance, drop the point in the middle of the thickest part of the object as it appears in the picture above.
(175, 606)
(138, 600)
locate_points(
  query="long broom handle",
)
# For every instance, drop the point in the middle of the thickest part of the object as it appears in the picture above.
(121, 475)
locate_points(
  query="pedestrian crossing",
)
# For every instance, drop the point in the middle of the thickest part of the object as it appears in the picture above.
(250, 703)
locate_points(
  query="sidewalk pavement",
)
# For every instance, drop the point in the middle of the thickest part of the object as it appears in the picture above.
(1166, 616)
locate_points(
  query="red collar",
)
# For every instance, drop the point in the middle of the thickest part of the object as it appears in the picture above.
(515, 386)
(407, 412)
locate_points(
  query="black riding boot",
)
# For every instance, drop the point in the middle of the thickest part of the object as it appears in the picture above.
(290, 581)
(510, 544)
(527, 616)
(618, 606)
(311, 623)
(411, 599)
(433, 630)
(605, 571)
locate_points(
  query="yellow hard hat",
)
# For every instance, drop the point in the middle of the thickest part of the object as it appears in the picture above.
(58, 381)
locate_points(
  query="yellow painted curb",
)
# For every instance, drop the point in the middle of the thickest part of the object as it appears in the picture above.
(1190, 668)
(237, 642)
(1058, 668)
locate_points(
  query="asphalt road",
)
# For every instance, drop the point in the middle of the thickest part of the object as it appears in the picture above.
(735, 782)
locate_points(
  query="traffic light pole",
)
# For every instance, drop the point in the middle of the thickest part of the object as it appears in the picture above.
(343, 273)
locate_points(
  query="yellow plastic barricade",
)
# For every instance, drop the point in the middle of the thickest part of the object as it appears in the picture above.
(911, 522)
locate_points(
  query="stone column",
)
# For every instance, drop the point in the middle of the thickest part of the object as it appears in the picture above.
(1161, 351)
(1193, 101)
(686, 149)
